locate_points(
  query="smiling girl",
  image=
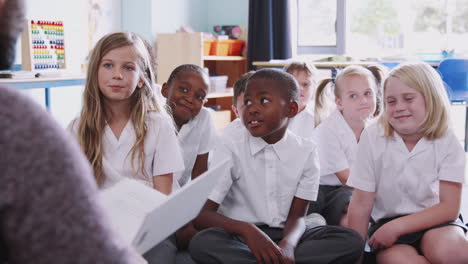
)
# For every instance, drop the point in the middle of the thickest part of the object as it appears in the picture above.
(409, 173)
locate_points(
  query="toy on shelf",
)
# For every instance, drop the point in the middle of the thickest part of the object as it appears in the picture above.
(43, 46)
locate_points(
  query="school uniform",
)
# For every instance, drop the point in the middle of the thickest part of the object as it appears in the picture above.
(162, 152)
(303, 124)
(258, 188)
(196, 137)
(405, 182)
(337, 147)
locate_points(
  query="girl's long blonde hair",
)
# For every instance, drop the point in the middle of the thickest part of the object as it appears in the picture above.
(424, 79)
(324, 101)
(93, 115)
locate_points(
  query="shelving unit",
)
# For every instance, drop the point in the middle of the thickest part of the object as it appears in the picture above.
(181, 48)
(232, 66)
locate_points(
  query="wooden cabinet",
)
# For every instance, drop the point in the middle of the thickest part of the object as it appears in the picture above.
(232, 66)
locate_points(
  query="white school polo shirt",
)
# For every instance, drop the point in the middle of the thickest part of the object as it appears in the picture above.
(264, 178)
(337, 147)
(196, 137)
(162, 152)
(405, 182)
(303, 124)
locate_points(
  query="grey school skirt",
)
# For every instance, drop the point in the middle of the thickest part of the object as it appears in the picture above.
(414, 239)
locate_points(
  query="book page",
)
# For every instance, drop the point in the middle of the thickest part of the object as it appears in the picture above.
(127, 203)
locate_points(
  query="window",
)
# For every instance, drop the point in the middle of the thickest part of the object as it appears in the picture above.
(381, 28)
(320, 26)
(407, 27)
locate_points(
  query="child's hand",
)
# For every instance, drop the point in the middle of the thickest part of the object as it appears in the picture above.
(384, 237)
(262, 247)
(287, 251)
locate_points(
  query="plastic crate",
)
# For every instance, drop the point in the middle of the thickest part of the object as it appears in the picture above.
(220, 48)
(218, 83)
(207, 46)
(235, 47)
(228, 47)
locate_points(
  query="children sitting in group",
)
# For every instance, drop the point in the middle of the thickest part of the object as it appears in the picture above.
(408, 174)
(255, 214)
(355, 89)
(407, 170)
(306, 76)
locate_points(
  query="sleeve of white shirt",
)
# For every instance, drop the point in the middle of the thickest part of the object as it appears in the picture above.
(307, 188)
(168, 157)
(208, 139)
(332, 156)
(362, 174)
(225, 181)
(453, 163)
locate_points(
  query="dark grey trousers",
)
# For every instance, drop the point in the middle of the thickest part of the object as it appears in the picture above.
(166, 252)
(322, 244)
(331, 203)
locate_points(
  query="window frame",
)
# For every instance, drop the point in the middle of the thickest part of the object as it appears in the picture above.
(340, 47)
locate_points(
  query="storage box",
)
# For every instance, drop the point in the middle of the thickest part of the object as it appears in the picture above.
(228, 47)
(207, 46)
(235, 47)
(220, 48)
(218, 83)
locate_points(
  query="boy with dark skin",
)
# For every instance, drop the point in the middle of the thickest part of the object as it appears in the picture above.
(249, 223)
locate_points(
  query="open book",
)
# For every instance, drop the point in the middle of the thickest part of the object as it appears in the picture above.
(144, 217)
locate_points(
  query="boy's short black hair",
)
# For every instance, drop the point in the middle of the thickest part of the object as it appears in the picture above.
(185, 68)
(239, 86)
(285, 80)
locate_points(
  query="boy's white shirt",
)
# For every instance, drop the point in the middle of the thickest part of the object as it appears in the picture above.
(303, 124)
(337, 146)
(196, 137)
(162, 151)
(405, 182)
(263, 178)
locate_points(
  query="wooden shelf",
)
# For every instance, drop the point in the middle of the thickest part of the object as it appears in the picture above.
(224, 58)
(228, 93)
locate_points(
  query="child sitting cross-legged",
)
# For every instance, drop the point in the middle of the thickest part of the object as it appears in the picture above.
(255, 213)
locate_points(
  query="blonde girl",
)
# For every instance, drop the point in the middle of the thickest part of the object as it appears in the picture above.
(123, 130)
(409, 173)
(355, 91)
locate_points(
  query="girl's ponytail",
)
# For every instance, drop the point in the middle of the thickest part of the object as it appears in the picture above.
(323, 101)
(379, 73)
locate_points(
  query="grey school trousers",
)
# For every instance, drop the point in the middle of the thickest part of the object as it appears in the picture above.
(321, 244)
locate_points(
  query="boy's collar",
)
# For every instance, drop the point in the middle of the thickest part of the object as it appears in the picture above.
(282, 148)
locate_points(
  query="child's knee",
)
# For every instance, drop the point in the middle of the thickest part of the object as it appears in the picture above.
(392, 256)
(203, 241)
(449, 253)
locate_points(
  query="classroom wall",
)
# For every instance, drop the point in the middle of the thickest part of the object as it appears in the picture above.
(66, 101)
(226, 12)
(168, 16)
(150, 17)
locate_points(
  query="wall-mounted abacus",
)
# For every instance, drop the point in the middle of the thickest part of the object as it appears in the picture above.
(43, 46)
